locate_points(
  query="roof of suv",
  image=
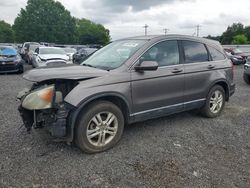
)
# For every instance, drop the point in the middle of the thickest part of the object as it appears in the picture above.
(151, 37)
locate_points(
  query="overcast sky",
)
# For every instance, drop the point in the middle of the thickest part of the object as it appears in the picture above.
(126, 17)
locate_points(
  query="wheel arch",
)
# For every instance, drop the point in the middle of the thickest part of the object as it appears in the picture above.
(113, 97)
(224, 85)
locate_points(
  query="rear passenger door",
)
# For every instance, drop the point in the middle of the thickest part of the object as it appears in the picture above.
(198, 71)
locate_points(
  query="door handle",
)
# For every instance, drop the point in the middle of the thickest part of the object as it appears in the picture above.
(176, 70)
(210, 66)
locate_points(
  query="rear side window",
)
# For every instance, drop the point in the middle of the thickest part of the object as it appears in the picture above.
(194, 52)
(215, 54)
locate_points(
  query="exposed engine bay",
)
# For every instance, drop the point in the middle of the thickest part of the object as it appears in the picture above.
(43, 106)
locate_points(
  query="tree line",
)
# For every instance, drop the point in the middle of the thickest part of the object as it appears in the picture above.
(237, 33)
(49, 21)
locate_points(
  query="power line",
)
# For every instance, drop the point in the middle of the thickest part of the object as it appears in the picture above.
(165, 30)
(146, 29)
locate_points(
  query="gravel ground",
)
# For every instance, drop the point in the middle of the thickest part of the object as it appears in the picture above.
(183, 150)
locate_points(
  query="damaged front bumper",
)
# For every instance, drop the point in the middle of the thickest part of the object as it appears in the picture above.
(54, 119)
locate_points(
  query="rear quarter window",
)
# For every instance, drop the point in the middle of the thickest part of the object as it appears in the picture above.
(194, 52)
(216, 54)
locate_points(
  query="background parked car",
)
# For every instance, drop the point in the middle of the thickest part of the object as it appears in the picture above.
(70, 52)
(236, 59)
(82, 54)
(246, 75)
(30, 51)
(49, 56)
(25, 50)
(10, 60)
(238, 52)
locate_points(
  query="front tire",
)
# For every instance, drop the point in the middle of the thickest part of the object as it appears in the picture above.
(214, 103)
(99, 127)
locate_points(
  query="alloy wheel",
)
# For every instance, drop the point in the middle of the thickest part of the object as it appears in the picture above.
(216, 102)
(102, 128)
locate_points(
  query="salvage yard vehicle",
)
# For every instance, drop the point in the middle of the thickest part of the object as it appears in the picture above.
(30, 52)
(236, 59)
(237, 52)
(25, 50)
(70, 52)
(10, 60)
(49, 56)
(246, 74)
(83, 54)
(162, 75)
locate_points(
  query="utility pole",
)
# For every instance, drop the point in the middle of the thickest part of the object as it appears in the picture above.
(198, 28)
(165, 30)
(146, 29)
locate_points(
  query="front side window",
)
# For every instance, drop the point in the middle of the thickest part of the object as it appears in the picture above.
(37, 50)
(194, 52)
(215, 54)
(164, 53)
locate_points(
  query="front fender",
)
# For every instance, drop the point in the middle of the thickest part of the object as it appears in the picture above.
(80, 97)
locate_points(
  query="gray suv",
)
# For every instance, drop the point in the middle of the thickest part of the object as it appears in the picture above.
(127, 81)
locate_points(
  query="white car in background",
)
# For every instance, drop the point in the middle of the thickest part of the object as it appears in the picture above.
(70, 52)
(50, 56)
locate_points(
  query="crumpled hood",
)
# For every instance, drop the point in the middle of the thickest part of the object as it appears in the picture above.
(53, 56)
(73, 72)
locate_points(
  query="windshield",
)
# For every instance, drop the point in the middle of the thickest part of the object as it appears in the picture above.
(7, 51)
(114, 55)
(33, 47)
(70, 50)
(52, 51)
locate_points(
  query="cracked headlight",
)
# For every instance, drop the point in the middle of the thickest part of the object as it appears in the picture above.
(40, 99)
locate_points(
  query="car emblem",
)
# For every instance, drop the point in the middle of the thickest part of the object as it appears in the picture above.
(3, 63)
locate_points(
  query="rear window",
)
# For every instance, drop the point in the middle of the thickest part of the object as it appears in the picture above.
(215, 54)
(194, 52)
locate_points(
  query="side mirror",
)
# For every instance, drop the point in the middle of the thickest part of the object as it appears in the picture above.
(147, 66)
(35, 54)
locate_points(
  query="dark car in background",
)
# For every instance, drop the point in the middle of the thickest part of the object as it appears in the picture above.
(246, 74)
(83, 54)
(10, 60)
(127, 81)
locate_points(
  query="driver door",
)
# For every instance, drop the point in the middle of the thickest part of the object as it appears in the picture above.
(160, 92)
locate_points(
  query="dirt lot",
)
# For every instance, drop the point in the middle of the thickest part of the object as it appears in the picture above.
(183, 150)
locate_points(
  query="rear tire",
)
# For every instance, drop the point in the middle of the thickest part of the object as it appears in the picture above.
(246, 78)
(214, 103)
(99, 127)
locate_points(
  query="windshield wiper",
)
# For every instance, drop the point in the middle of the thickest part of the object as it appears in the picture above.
(88, 65)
